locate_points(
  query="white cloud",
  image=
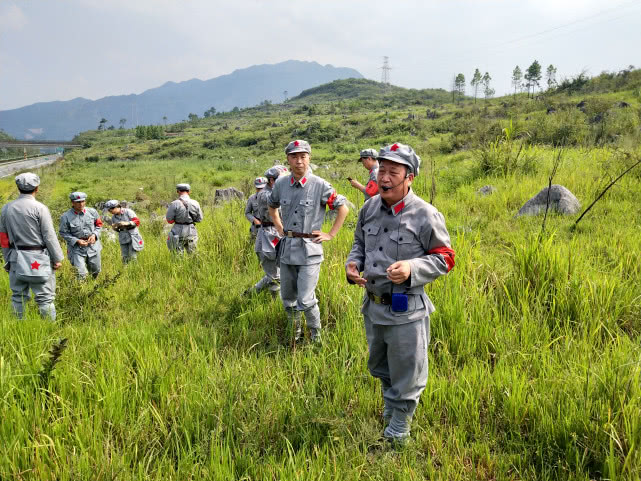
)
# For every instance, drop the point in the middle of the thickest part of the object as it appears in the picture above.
(11, 18)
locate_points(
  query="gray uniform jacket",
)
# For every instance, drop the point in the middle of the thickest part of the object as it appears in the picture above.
(371, 188)
(182, 219)
(411, 230)
(126, 215)
(251, 211)
(303, 210)
(267, 238)
(27, 222)
(82, 225)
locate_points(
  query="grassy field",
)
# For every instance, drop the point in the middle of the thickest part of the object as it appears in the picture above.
(169, 373)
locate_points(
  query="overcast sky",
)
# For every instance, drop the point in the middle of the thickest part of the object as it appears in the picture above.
(59, 50)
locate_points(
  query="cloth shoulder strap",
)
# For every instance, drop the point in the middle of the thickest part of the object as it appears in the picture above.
(184, 202)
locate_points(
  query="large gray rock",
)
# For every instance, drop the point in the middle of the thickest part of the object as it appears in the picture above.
(225, 195)
(330, 215)
(561, 200)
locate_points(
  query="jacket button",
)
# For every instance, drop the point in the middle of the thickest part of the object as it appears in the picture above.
(385, 230)
(380, 248)
(400, 238)
(375, 264)
(295, 212)
(369, 230)
(294, 223)
(373, 282)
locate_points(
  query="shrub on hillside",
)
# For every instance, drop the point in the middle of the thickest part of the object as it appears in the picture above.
(566, 127)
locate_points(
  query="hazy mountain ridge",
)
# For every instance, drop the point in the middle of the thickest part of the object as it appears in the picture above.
(173, 100)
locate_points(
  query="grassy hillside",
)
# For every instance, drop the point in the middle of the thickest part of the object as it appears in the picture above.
(169, 373)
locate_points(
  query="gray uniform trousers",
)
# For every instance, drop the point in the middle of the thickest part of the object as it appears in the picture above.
(272, 273)
(298, 291)
(44, 294)
(85, 264)
(398, 357)
(127, 252)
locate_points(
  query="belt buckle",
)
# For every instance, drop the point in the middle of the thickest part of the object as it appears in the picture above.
(290, 233)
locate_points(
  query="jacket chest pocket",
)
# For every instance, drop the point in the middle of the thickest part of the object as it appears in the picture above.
(400, 245)
(370, 232)
(306, 205)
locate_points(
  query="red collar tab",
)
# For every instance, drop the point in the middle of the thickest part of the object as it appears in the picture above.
(84, 211)
(394, 148)
(399, 207)
(302, 181)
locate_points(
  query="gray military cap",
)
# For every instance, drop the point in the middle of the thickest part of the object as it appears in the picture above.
(275, 171)
(298, 146)
(401, 154)
(27, 181)
(183, 187)
(260, 182)
(77, 196)
(110, 204)
(368, 153)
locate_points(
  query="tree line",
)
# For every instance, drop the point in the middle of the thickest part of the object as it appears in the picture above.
(523, 81)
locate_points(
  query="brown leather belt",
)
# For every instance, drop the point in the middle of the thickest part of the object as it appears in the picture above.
(385, 299)
(184, 223)
(290, 233)
(266, 224)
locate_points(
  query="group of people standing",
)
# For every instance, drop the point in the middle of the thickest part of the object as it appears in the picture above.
(400, 244)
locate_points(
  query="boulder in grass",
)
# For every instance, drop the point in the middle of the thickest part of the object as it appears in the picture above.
(313, 167)
(225, 195)
(561, 200)
(330, 215)
(486, 190)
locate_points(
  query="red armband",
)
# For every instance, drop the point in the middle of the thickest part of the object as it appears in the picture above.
(372, 188)
(170, 221)
(330, 201)
(4, 240)
(448, 255)
(136, 221)
(98, 222)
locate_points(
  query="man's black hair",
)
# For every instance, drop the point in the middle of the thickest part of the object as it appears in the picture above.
(27, 191)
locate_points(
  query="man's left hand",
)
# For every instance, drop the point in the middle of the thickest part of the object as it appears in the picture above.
(356, 184)
(321, 236)
(92, 239)
(399, 272)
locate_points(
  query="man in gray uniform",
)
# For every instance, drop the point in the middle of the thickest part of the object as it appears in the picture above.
(268, 237)
(183, 213)
(251, 209)
(80, 227)
(30, 248)
(400, 244)
(368, 159)
(125, 222)
(302, 196)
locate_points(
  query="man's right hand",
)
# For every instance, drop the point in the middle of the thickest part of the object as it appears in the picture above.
(82, 243)
(57, 266)
(351, 269)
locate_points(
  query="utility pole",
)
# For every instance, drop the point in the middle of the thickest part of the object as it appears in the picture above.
(386, 70)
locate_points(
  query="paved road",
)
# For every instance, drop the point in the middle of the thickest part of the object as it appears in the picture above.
(8, 168)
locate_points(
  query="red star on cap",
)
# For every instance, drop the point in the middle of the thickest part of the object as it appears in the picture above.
(35, 265)
(394, 147)
(296, 143)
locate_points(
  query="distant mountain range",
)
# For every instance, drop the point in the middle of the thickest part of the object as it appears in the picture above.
(61, 120)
